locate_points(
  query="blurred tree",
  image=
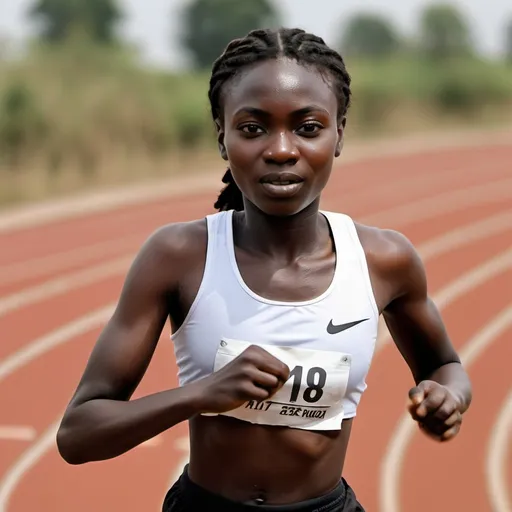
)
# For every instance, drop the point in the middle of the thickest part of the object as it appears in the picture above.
(508, 42)
(208, 25)
(444, 32)
(61, 18)
(369, 35)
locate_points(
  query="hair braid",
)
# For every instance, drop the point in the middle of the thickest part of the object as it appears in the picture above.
(260, 45)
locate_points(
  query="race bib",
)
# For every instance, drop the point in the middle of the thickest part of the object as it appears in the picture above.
(310, 399)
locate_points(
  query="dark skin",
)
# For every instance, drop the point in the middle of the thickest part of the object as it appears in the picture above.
(278, 116)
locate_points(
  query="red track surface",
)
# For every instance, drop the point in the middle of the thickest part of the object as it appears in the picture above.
(425, 195)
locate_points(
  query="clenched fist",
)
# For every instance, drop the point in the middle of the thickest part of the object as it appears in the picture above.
(254, 375)
(436, 410)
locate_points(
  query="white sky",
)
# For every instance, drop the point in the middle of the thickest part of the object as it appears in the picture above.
(152, 24)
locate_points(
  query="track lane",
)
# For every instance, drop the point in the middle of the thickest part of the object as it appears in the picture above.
(412, 230)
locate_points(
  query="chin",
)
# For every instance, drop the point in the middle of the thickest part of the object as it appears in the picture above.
(283, 208)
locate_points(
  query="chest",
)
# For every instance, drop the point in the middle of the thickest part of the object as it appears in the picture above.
(340, 323)
(291, 281)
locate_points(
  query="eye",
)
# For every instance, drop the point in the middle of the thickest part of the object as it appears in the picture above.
(251, 129)
(310, 128)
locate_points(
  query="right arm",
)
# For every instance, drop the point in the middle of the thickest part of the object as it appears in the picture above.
(101, 422)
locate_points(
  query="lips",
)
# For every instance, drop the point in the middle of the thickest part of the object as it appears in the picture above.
(282, 185)
(281, 178)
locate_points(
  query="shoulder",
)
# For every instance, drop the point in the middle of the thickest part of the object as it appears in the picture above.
(177, 240)
(171, 250)
(393, 258)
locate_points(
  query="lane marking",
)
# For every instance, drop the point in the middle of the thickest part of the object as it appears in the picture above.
(17, 433)
(360, 151)
(68, 333)
(449, 294)
(61, 285)
(63, 260)
(64, 335)
(498, 489)
(448, 202)
(28, 459)
(90, 275)
(392, 467)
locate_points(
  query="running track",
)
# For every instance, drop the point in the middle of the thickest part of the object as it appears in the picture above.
(58, 283)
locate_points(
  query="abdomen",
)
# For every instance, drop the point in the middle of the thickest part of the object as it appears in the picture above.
(235, 459)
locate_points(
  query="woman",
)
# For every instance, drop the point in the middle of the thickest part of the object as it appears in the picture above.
(274, 306)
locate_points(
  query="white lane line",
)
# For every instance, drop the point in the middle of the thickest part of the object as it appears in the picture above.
(97, 318)
(447, 202)
(67, 259)
(392, 466)
(111, 268)
(453, 240)
(17, 433)
(48, 211)
(72, 207)
(64, 334)
(62, 285)
(29, 457)
(500, 439)
(14, 272)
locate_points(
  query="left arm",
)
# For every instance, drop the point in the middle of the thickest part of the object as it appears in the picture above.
(443, 391)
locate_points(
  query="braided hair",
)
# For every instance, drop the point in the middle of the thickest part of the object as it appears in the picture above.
(260, 45)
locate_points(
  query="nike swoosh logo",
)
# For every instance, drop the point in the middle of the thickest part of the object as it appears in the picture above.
(335, 329)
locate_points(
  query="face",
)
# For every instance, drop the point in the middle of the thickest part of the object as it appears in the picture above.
(280, 135)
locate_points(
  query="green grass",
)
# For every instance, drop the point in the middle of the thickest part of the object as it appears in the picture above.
(80, 116)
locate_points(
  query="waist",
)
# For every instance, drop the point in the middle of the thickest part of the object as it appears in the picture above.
(199, 498)
(231, 457)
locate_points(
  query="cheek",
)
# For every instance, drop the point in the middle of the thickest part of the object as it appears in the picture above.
(240, 151)
(319, 152)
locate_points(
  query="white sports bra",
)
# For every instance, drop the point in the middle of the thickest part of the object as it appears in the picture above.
(328, 342)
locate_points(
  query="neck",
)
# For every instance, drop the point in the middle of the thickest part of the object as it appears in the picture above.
(286, 237)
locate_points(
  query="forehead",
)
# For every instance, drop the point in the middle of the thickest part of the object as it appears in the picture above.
(278, 86)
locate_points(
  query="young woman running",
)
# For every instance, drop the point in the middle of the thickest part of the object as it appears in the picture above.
(273, 304)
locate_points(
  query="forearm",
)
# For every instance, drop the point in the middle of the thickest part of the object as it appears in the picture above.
(454, 377)
(102, 429)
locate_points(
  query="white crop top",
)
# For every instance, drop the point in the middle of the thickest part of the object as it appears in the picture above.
(328, 342)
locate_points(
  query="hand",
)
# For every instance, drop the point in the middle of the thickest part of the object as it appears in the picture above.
(254, 375)
(436, 410)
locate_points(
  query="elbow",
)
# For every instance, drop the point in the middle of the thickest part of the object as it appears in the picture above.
(69, 447)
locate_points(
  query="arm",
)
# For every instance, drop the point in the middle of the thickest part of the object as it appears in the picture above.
(443, 390)
(100, 421)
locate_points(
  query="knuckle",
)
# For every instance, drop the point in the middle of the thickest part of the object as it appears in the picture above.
(445, 411)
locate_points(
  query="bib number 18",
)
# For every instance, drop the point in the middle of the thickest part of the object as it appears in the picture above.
(315, 381)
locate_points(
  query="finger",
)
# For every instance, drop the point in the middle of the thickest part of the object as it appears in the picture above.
(444, 411)
(266, 362)
(451, 433)
(416, 396)
(250, 391)
(456, 417)
(265, 380)
(432, 402)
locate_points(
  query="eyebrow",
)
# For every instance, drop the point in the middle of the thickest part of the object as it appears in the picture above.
(296, 113)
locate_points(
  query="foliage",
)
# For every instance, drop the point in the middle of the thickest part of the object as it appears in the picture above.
(208, 25)
(61, 19)
(444, 32)
(369, 35)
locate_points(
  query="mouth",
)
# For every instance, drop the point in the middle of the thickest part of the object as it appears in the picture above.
(282, 184)
(282, 178)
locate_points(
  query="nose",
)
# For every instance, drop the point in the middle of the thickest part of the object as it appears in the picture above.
(281, 150)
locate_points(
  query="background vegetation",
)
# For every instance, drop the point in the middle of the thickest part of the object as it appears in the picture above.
(79, 110)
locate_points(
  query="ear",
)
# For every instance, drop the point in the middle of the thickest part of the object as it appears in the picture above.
(220, 139)
(341, 132)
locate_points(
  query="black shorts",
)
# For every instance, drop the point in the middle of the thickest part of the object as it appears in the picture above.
(185, 496)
